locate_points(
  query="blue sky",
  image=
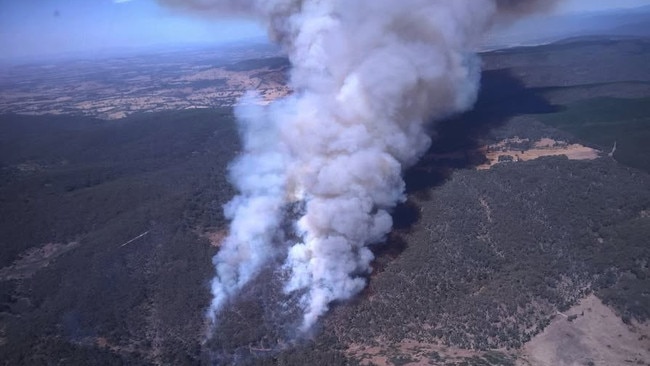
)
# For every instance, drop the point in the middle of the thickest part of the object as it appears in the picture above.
(49, 27)
(40, 28)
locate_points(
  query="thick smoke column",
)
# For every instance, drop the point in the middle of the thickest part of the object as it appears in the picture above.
(367, 76)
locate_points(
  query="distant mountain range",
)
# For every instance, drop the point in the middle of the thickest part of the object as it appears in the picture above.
(544, 30)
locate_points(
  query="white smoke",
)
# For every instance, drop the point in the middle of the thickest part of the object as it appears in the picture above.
(367, 77)
(256, 213)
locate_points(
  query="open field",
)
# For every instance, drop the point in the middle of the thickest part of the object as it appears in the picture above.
(589, 333)
(117, 87)
(516, 150)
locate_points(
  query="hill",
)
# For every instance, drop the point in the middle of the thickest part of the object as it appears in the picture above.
(109, 227)
(74, 192)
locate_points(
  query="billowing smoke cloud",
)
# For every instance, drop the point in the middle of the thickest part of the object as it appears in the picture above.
(367, 77)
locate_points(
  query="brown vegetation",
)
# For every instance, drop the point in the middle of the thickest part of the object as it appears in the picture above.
(511, 150)
(34, 259)
(589, 332)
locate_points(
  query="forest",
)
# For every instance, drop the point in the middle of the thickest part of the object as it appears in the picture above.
(108, 230)
(101, 184)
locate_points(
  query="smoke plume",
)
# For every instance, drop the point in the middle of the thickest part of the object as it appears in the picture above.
(368, 75)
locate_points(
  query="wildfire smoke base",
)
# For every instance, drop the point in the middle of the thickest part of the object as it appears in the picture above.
(260, 320)
(367, 77)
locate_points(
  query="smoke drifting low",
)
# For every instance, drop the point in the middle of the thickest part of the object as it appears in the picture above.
(367, 76)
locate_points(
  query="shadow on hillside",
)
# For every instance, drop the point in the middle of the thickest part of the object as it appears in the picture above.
(456, 143)
(456, 140)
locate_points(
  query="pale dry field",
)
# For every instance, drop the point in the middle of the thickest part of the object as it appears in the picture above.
(597, 336)
(590, 333)
(543, 147)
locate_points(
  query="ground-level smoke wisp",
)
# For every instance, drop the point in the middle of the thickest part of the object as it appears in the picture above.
(367, 76)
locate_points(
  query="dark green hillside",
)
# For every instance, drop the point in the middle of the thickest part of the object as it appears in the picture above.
(605, 121)
(273, 63)
(101, 184)
(495, 253)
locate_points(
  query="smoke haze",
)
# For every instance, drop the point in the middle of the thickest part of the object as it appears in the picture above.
(367, 76)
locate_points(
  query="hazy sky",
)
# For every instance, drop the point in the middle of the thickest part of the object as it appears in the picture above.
(44, 27)
(599, 5)
(48, 27)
